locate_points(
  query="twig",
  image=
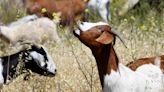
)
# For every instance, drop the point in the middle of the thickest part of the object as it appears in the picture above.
(76, 58)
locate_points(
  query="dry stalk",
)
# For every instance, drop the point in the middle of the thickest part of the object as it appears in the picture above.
(76, 58)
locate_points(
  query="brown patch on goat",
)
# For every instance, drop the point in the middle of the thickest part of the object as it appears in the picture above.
(135, 64)
(71, 10)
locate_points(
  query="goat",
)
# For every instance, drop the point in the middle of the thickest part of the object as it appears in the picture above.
(36, 31)
(71, 10)
(102, 6)
(135, 64)
(114, 76)
(36, 59)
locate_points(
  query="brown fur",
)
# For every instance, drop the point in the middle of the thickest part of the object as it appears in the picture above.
(135, 64)
(71, 10)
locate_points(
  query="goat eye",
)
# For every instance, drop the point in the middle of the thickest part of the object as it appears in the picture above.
(45, 66)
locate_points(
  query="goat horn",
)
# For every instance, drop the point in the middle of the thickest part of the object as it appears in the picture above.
(119, 35)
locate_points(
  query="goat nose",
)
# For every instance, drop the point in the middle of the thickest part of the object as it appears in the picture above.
(55, 70)
(82, 23)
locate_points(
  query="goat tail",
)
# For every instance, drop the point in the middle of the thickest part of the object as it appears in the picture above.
(157, 61)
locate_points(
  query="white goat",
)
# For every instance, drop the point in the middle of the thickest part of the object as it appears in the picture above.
(39, 30)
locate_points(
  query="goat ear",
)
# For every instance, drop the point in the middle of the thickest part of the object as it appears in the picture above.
(105, 38)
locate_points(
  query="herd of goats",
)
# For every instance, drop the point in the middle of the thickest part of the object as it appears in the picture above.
(142, 75)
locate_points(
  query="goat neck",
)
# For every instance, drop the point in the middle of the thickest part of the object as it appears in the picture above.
(106, 60)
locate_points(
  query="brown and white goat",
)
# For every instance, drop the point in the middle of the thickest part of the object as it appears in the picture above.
(114, 76)
(71, 10)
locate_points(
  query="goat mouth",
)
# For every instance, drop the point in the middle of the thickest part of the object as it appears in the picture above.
(78, 27)
(76, 32)
(49, 74)
(79, 23)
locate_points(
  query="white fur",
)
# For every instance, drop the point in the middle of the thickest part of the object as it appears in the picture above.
(23, 20)
(38, 58)
(147, 78)
(37, 31)
(157, 61)
(1, 70)
(84, 26)
(100, 6)
(77, 31)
